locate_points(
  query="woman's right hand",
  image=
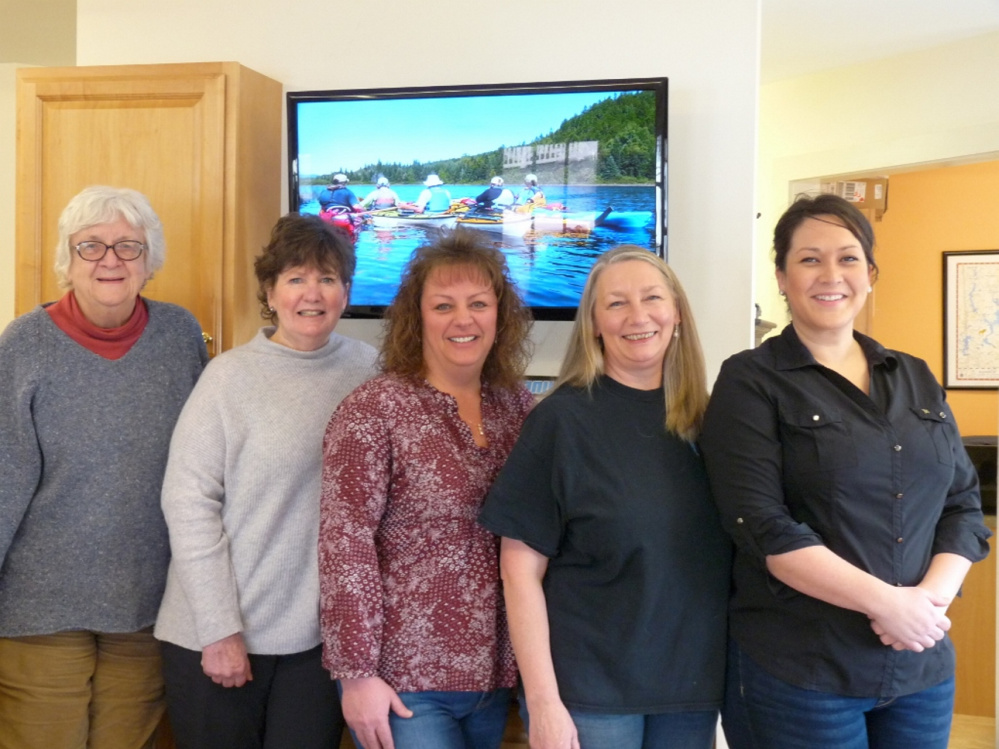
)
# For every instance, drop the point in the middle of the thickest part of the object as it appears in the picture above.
(551, 727)
(912, 618)
(523, 571)
(366, 703)
(226, 661)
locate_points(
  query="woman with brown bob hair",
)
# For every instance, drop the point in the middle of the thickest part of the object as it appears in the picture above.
(239, 620)
(412, 616)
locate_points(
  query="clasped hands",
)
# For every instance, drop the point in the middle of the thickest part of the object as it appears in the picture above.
(911, 618)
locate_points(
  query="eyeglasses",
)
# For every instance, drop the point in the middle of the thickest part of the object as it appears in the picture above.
(94, 251)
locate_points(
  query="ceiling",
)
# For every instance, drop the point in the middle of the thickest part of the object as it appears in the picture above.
(806, 36)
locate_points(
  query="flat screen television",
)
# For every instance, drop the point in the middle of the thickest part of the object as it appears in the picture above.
(584, 163)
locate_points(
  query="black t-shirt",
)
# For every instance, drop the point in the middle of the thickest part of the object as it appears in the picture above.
(638, 577)
(798, 456)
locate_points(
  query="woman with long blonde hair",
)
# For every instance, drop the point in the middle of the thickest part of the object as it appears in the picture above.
(614, 562)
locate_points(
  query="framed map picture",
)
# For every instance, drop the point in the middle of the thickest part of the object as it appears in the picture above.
(971, 319)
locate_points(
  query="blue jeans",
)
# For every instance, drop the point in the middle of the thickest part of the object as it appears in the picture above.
(451, 720)
(681, 730)
(764, 712)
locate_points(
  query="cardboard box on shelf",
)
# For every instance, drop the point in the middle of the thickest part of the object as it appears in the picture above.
(869, 194)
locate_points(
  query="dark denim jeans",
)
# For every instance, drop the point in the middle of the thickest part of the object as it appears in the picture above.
(680, 730)
(764, 712)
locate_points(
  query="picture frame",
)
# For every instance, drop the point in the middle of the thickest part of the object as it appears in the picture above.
(596, 150)
(971, 319)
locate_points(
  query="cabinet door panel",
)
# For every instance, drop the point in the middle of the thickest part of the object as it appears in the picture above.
(163, 137)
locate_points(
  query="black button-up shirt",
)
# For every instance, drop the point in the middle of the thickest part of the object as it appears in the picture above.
(798, 456)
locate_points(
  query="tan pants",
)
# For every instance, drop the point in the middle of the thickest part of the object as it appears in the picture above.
(80, 690)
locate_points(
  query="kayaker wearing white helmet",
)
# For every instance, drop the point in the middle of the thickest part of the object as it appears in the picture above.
(337, 194)
(496, 195)
(433, 199)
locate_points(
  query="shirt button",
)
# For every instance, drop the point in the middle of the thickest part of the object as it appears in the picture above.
(898, 540)
(943, 415)
(815, 417)
(897, 448)
(738, 521)
(898, 496)
(898, 585)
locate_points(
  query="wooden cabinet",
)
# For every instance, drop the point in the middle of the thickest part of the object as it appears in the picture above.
(973, 630)
(202, 141)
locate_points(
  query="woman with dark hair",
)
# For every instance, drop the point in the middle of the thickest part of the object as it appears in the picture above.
(841, 476)
(240, 618)
(615, 565)
(90, 389)
(412, 617)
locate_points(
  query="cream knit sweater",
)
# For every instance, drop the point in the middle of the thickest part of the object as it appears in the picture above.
(241, 494)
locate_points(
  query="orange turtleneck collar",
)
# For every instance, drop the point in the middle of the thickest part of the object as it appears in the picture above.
(111, 343)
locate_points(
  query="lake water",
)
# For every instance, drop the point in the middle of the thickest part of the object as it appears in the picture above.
(549, 269)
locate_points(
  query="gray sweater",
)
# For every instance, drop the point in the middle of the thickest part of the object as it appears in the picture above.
(241, 494)
(83, 446)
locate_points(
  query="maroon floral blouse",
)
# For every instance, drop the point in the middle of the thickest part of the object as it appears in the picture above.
(409, 582)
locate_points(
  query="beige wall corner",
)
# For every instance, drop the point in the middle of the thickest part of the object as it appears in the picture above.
(38, 32)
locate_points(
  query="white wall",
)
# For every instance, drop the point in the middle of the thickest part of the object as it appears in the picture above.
(935, 106)
(8, 111)
(709, 51)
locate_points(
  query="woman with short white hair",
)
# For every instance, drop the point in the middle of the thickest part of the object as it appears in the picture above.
(90, 388)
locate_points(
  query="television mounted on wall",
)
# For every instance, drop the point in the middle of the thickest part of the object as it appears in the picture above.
(575, 167)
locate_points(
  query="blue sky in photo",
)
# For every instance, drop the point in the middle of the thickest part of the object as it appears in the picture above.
(350, 134)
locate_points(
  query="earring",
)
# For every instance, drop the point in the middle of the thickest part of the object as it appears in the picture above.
(782, 292)
(870, 289)
(271, 310)
(676, 332)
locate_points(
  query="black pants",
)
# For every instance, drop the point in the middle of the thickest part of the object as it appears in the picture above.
(291, 702)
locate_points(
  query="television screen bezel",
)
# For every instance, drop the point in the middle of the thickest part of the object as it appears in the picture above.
(659, 85)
